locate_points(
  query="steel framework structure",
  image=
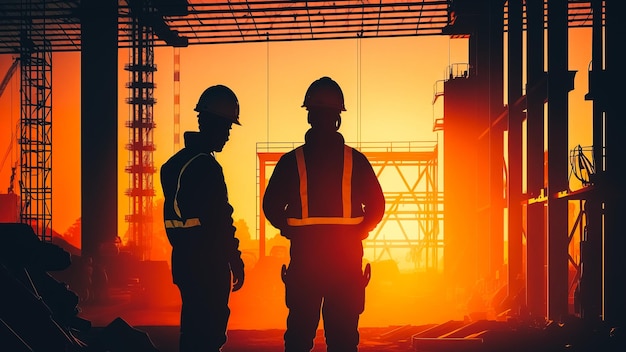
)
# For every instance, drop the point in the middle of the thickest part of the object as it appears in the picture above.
(50, 26)
(36, 141)
(196, 22)
(55, 26)
(36, 133)
(414, 211)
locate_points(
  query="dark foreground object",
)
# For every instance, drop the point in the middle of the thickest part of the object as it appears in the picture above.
(452, 336)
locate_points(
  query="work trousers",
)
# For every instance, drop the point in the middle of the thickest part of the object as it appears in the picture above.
(337, 291)
(205, 312)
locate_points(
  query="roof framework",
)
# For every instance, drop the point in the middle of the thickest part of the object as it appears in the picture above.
(196, 22)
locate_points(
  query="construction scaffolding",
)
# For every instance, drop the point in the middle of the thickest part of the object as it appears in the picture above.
(411, 229)
(36, 138)
(141, 145)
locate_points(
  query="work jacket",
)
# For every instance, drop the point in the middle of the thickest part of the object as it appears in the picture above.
(197, 214)
(324, 194)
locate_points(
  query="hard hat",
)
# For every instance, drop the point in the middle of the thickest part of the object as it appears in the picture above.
(221, 101)
(324, 93)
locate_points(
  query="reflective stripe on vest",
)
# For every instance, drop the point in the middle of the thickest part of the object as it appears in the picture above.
(177, 224)
(193, 222)
(346, 195)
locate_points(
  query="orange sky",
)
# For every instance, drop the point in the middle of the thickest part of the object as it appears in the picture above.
(395, 78)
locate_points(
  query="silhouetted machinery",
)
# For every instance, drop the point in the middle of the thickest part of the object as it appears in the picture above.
(39, 312)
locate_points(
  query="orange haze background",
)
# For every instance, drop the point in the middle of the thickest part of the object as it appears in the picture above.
(387, 84)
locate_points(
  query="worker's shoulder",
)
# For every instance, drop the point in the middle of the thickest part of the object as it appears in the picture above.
(359, 158)
(356, 151)
(185, 157)
(289, 154)
(169, 163)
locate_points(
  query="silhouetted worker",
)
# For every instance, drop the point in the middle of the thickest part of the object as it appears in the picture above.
(199, 224)
(325, 198)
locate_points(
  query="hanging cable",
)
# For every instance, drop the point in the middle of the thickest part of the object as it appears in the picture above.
(358, 91)
(176, 99)
(267, 89)
(581, 167)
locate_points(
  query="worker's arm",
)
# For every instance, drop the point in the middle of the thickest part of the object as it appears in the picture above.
(282, 184)
(371, 195)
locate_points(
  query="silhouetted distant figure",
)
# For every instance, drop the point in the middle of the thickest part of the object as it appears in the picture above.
(325, 198)
(199, 224)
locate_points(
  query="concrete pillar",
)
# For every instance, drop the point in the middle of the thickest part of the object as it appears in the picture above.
(515, 118)
(559, 85)
(613, 181)
(99, 71)
(536, 222)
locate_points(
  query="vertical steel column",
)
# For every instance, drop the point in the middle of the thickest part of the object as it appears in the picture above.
(535, 210)
(264, 160)
(497, 126)
(98, 124)
(489, 28)
(483, 205)
(590, 286)
(558, 87)
(613, 181)
(514, 187)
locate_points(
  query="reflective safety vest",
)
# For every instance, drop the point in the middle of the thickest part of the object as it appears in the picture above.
(346, 195)
(183, 223)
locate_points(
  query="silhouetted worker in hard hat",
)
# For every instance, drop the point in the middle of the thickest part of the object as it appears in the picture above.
(325, 198)
(199, 224)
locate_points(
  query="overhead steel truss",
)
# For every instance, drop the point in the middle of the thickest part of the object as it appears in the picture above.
(196, 22)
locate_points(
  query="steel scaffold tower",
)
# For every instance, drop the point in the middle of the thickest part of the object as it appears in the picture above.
(412, 223)
(36, 134)
(141, 146)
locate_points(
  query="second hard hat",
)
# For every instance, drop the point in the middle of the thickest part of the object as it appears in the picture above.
(324, 93)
